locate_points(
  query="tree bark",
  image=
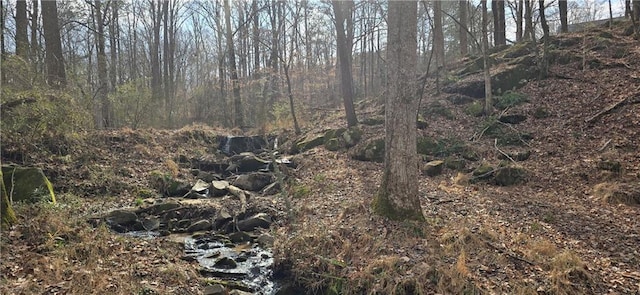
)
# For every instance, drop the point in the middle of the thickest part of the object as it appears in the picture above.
(341, 12)
(398, 195)
(544, 64)
(488, 101)
(464, 43)
(528, 20)
(438, 41)
(564, 25)
(499, 32)
(519, 20)
(102, 100)
(22, 43)
(156, 75)
(34, 36)
(56, 76)
(237, 102)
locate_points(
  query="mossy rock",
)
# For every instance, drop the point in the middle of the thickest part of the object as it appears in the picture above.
(167, 185)
(513, 139)
(427, 146)
(510, 99)
(352, 136)
(483, 172)
(372, 151)
(518, 50)
(433, 168)
(307, 144)
(27, 184)
(333, 133)
(333, 144)
(459, 99)
(475, 109)
(454, 163)
(507, 176)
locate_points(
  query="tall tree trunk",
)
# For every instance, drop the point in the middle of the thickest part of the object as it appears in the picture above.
(34, 36)
(528, 20)
(156, 75)
(519, 20)
(56, 76)
(237, 102)
(102, 99)
(114, 29)
(464, 44)
(499, 30)
(398, 197)
(22, 43)
(544, 64)
(165, 62)
(438, 41)
(564, 25)
(3, 51)
(256, 36)
(488, 100)
(344, 53)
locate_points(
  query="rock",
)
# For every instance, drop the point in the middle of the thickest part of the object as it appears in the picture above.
(26, 184)
(121, 217)
(372, 151)
(253, 181)
(239, 292)
(454, 163)
(259, 220)
(215, 289)
(433, 168)
(507, 176)
(352, 136)
(512, 119)
(223, 216)
(459, 99)
(225, 263)
(483, 172)
(200, 187)
(333, 133)
(159, 208)
(507, 76)
(219, 188)
(307, 144)
(240, 237)
(231, 145)
(168, 185)
(333, 144)
(266, 240)
(247, 162)
(150, 223)
(271, 189)
(199, 225)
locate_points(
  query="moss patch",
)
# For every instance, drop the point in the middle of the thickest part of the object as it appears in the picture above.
(381, 205)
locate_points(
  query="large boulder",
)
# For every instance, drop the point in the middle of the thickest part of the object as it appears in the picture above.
(27, 184)
(253, 181)
(247, 162)
(308, 143)
(372, 151)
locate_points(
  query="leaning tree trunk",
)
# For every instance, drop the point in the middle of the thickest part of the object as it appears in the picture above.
(398, 194)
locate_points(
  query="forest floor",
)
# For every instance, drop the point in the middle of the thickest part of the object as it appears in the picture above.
(563, 231)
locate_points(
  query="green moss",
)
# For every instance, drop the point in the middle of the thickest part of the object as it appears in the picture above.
(438, 109)
(145, 193)
(373, 151)
(333, 144)
(352, 136)
(427, 146)
(509, 99)
(475, 109)
(307, 144)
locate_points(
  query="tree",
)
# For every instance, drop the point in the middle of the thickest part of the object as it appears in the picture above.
(342, 10)
(499, 29)
(22, 43)
(398, 194)
(56, 76)
(237, 102)
(438, 34)
(488, 100)
(564, 26)
(102, 108)
(464, 44)
(528, 20)
(544, 65)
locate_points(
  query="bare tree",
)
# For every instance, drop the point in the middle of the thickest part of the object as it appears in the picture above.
(499, 28)
(237, 102)
(438, 34)
(463, 15)
(101, 105)
(398, 194)
(22, 43)
(562, 6)
(488, 102)
(342, 11)
(544, 64)
(56, 76)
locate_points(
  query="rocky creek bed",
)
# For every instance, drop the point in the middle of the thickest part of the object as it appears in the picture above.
(219, 215)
